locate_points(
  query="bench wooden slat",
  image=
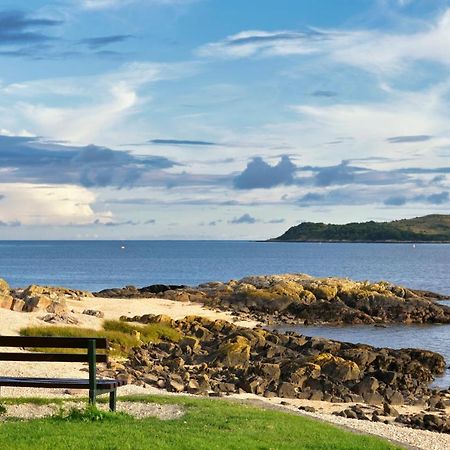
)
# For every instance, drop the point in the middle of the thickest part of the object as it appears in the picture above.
(50, 357)
(51, 342)
(68, 383)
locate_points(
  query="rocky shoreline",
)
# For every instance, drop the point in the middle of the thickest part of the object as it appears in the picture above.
(302, 299)
(218, 358)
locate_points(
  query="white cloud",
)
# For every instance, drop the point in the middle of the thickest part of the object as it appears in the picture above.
(32, 204)
(21, 133)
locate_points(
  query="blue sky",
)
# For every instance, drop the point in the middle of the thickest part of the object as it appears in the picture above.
(212, 119)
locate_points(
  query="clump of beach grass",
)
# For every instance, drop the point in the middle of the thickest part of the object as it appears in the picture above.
(122, 337)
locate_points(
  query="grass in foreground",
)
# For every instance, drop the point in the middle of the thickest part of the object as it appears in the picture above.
(207, 424)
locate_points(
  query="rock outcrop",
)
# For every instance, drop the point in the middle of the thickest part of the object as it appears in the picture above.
(134, 292)
(299, 298)
(38, 298)
(220, 357)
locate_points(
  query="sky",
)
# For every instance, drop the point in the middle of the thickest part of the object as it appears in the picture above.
(213, 119)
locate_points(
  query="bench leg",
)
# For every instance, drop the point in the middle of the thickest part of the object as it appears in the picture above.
(92, 397)
(112, 400)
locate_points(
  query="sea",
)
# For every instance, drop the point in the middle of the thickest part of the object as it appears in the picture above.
(96, 265)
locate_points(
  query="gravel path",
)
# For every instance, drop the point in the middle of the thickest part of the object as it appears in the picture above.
(420, 439)
(140, 410)
(408, 437)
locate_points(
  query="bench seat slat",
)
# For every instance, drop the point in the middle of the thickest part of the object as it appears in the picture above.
(52, 357)
(51, 342)
(68, 383)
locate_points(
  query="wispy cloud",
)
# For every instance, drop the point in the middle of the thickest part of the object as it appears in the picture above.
(18, 27)
(370, 50)
(108, 4)
(265, 43)
(326, 94)
(98, 105)
(407, 139)
(31, 160)
(102, 41)
(244, 219)
(181, 142)
(437, 198)
(15, 223)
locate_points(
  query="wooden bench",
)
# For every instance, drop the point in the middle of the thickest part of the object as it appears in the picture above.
(96, 387)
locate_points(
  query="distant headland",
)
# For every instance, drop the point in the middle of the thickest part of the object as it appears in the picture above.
(431, 228)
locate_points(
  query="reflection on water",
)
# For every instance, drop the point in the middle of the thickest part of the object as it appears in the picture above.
(429, 337)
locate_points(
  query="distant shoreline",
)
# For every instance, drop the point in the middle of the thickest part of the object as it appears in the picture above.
(434, 228)
(310, 241)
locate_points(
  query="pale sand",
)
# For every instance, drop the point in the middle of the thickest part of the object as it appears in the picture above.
(116, 307)
(11, 322)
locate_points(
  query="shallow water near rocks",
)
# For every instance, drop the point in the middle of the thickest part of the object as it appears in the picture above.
(430, 337)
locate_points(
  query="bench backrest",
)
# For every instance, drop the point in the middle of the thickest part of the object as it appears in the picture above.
(90, 344)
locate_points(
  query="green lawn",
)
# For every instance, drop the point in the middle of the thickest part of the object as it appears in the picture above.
(208, 424)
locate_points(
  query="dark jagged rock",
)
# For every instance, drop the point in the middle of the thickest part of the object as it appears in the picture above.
(134, 292)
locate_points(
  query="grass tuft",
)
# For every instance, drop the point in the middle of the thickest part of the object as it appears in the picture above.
(89, 414)
(122, 337)
(153, 332)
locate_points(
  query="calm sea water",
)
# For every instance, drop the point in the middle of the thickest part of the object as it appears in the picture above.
(94, 265)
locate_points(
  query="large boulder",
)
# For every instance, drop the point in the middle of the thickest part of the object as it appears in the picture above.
(4, 287)
(42, 298)
(336, 367)
(53, 292)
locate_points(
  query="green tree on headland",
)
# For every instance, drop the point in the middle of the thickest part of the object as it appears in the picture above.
(432, 228)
